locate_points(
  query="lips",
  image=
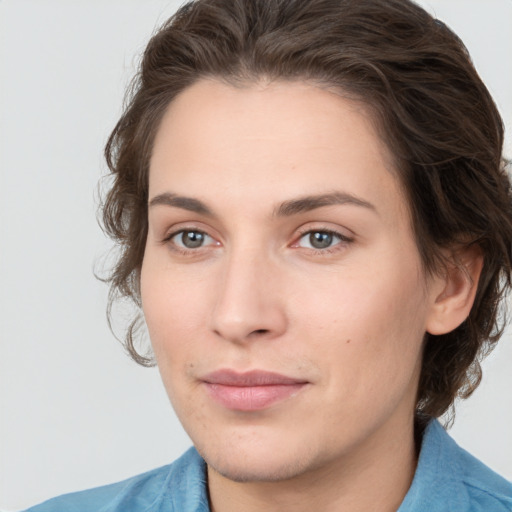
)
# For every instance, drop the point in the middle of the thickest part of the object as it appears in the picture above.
(250, 391)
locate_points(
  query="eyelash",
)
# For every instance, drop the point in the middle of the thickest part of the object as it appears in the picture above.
(180, 250)
(344, 240)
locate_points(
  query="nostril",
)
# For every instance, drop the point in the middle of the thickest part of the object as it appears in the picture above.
(260, 331)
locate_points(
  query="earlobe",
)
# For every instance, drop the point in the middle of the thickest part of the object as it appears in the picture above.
(454, 292)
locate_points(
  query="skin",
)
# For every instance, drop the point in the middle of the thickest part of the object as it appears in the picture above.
(348, 318)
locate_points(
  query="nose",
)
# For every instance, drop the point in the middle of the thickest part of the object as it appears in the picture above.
(250, 303)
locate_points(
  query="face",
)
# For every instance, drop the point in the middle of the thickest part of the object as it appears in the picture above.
(281, 284)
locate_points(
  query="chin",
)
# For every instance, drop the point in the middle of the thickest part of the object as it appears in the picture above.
(266, 462)
(243, 470)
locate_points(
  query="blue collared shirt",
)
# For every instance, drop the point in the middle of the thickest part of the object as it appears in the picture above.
(447, 479)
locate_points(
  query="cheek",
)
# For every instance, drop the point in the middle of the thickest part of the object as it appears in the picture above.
(367, 323)
(367, 341)
(171, 310)
(172, 305)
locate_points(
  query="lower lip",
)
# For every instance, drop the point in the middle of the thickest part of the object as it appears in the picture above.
(252, 398)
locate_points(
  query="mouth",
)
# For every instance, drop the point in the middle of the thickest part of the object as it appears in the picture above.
(251, 391)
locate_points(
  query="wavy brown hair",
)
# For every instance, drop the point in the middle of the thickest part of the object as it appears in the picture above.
(432, 110)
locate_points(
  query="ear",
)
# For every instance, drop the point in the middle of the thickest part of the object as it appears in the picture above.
(453, 293)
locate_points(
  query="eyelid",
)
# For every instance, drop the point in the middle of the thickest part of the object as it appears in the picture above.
(344, 236)
(182, 250)
(344, 233)
(172, 234)
(344, 240)
(173, 229)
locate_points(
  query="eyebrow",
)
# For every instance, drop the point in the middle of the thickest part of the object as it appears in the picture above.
(185, 203)
(285, 209)
(308, 203)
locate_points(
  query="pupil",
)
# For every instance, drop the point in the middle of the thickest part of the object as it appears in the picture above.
(320, 240)
(192, 239)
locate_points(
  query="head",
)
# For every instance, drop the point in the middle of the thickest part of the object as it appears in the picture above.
(406, 84)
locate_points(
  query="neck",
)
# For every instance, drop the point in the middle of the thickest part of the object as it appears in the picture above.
(374, 477)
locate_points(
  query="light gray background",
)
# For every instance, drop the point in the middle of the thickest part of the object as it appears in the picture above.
(75, 412)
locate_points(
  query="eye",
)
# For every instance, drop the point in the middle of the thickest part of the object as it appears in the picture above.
(190, 239)
(321, 239)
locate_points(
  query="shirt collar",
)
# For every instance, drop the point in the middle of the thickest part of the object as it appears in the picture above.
(437, 485)
(438, 469)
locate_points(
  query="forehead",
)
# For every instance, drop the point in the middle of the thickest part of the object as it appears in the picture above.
(257, 138)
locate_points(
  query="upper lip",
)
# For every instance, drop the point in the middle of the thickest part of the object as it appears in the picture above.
(250, 378)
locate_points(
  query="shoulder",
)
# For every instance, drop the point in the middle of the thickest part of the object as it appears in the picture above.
(179, 486)
(487, 489)
(448, 478)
